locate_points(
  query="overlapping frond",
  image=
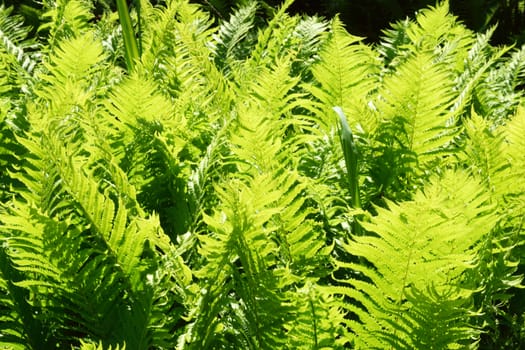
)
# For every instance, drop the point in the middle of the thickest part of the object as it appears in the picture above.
(148, 137)
(270, 46)
(228, 45)
(480, 57)
(434, 29)
(417, 98)
(79, 235)
(65, 19)
(513, 131)
(198, 77)
(261, 242)
(484, 151)
(347, 74)
(13, 35)
(18, 59)
(488, 152)
(498, 96)
(319, 321)
(418, 248)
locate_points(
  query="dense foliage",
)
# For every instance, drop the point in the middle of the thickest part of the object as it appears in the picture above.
(361, 17)
(258, 185)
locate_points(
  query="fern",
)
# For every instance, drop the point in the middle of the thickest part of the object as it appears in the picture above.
(18, 58)
(260, 239)
(99, 346)
(431, 244)
(105, 220)
(200, 200)
(393, 46)
(268, 45)
(488, 155)
(147, 140)
(319, 321)
(65, 19)
(497, 96)
(14, 39)
(346, 73)
(228, 46)
(480, 58)
(423, 122)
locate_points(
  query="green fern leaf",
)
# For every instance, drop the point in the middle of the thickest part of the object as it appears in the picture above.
(346, 74)
(230, 35)
(13, 36)
(480, 58)
(514, 130)
(418, 97)
(496, 97)
(422, 247)
(484, 152)
(65, 19)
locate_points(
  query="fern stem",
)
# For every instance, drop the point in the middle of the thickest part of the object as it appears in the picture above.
(130, 42)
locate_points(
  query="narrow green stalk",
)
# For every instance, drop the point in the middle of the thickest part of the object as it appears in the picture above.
(130, 42)
(351, 155)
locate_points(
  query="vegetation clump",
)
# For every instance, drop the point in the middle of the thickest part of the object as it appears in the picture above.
(172, 183)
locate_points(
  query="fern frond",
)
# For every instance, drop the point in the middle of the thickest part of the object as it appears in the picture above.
(480, 57)
(310, 33)
(319, 321)
(148, 141)
(165, 275)
(513, 131)
(65, 86)
(268, 46)
(415, 127)
(328, 185)
(484, 152)
(159, 41)
(227, 45)
(244, 246)
(421, 247)
(13, 36)
(432, 26)
(346, 72)
(434, 29)
(71, 196)
(43, 261)
(96, 241)
(417, 98)
(394, 44)
(18, 58)
(497, 96)
(210, 167)
(261, 242)
(18, 324)
(490, 151)
(65, 19)
(176, 53)
(193, 33)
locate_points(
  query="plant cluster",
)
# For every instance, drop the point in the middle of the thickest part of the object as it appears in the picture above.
(170, 183)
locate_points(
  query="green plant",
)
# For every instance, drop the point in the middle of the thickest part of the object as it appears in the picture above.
(202, 193)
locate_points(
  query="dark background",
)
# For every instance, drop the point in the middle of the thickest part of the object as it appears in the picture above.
(364, 17)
